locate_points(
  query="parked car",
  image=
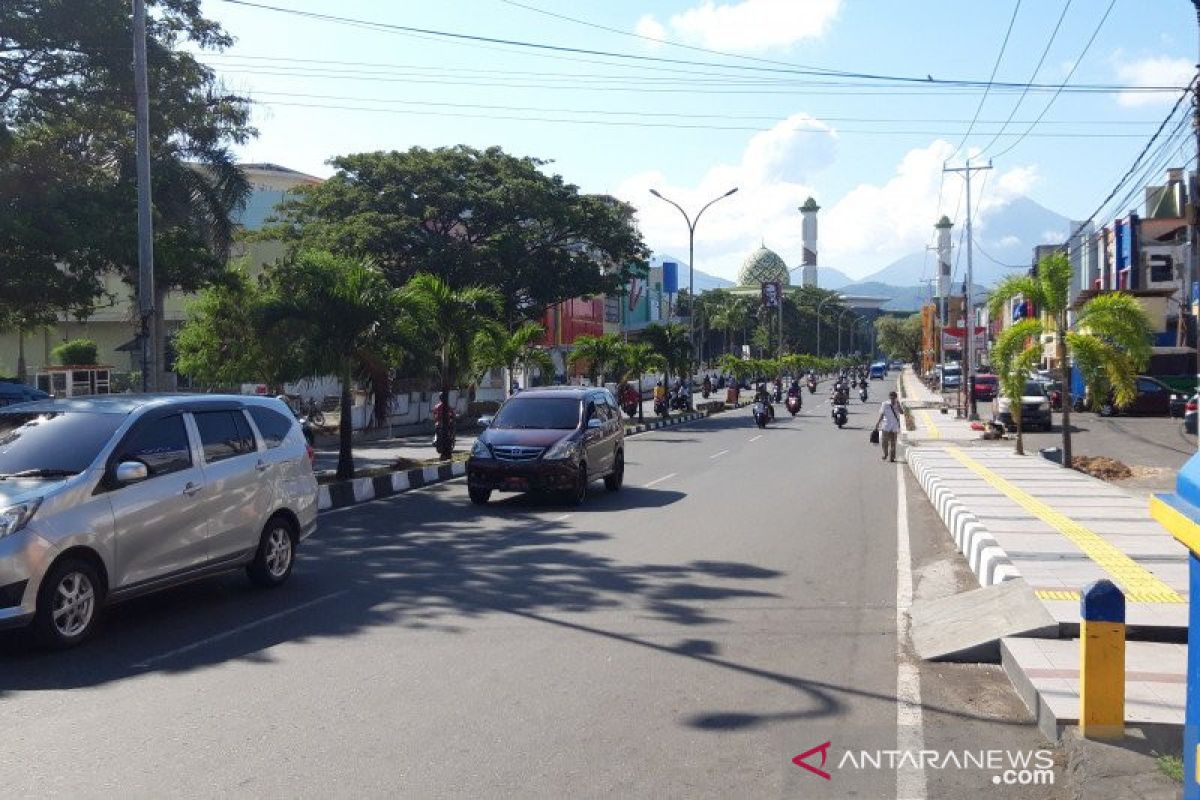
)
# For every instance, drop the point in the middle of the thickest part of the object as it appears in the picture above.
(19, 393)
(105, 498)
(1035, 409)
(1180, 403)
(1189, 415)
(550, 440)
(1153, 398)
(951, 377)
(985, 386)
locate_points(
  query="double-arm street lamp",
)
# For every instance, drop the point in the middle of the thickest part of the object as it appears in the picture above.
(839, 326)
(691, 223)
(819, 306)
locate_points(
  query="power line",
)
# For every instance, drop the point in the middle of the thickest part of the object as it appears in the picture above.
(992, 77)
(1036, 70)
(519, 43)
(1066, 80)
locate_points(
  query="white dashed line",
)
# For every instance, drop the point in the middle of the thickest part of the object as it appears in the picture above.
(756, 438)
(719, 454)
(659, 480)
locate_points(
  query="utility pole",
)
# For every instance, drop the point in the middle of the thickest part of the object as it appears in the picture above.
(969, 322)
(145, 224)
(1194, 214)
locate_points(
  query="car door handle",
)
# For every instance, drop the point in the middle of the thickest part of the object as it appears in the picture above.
(190, 489)
(261, 466)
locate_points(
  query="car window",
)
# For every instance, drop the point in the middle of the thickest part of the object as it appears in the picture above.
(161, 444)
(273, 426)
(603, 412)
(547, 413)
(1033, 388)
(53, 441)
(1148, 386)
(223, 434)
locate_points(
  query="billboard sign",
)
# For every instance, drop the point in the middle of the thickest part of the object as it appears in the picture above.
(670, 277)
(770, 294)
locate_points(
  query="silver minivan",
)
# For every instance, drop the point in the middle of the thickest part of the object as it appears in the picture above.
(105, 498)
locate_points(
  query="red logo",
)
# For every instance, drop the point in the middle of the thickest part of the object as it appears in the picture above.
(823, 749)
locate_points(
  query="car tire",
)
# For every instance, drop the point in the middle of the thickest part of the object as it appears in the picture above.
(480, 497)
(613, 481)
(68, 604)
(577, 495)
(275, 556)
(1107, 410)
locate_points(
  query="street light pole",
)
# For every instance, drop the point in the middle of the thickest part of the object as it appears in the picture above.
(691, 223)
(819, 306)
(839, 327)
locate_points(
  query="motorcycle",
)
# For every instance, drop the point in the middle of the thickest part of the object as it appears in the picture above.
(761, 414)
(812, 387)
(660, 407)
(706, 389)
(679, 401)
(778, 393)
(840, 414)
(862, 394)
(793, 404)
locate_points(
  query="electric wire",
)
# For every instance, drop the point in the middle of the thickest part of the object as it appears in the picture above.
(987, 89)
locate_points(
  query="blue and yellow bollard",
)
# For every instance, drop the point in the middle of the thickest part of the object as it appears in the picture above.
(1179, 513)
(1102, 661)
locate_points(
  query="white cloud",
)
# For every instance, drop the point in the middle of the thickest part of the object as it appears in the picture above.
(1153, 71)
(1009, 241)
(861, 232)
(651, 28)
(748, 25)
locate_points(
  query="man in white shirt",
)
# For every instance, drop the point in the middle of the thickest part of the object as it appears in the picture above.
(889, 424)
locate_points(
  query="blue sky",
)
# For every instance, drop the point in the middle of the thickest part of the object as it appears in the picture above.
(870, 154)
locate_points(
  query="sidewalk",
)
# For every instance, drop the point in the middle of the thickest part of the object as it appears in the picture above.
(927, 407)
(1058, 529)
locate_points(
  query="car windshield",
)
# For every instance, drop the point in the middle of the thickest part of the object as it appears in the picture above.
(985, 378)
(547, 413)
(1034, 388)
(52, 444)
(952, 372)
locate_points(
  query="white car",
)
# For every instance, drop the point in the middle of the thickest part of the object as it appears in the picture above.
(1035, 409)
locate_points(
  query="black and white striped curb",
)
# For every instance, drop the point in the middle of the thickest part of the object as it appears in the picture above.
(360, 490)
(988, 560)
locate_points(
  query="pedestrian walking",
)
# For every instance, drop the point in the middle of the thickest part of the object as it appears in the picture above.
(889, 424)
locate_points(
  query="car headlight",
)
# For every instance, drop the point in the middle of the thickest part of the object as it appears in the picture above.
(480, 450)
(15, 517)
(564, 449)
(1044, 405)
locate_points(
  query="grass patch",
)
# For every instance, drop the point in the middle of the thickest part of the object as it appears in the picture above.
(1171, 766)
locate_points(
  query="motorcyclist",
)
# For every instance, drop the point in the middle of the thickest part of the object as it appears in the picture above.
(794, 389)
(763, 395)
(707, 386)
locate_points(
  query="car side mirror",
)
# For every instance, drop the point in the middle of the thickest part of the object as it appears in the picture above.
(128, 472)
(595, 422)
(486, 420)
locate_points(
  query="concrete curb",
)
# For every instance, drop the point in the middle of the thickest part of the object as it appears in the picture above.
(341, 494)
(988, 560)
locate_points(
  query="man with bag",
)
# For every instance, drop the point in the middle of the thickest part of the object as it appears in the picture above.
(889, 421)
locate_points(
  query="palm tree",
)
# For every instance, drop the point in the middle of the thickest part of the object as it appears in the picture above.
(1017, 350)
(601, 353)
(1110, 343)
(670, 341)
(640, 358)
(451, 319)
(497, 347)
(340, 313)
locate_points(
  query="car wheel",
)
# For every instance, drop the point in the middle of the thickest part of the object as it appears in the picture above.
(480, 497)
(613, 482)
(275, 556)
(1107, 410)
(68, 605)
(578, 495)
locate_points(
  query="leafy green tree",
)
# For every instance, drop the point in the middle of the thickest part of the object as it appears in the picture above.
(638, 359)
(471, 217)
(340, 313)
(497, 347)
(602, 353)
(1016, 351)
(900, 338)
(450, 320)
(1111, 340)
(671, 342)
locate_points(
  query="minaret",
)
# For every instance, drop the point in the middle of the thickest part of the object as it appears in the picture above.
(943, 255)
(808, 214)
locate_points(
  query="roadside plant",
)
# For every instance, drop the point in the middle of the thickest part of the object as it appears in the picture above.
(1016, 351)
(497, 347)
(602, 353)
(638, 359)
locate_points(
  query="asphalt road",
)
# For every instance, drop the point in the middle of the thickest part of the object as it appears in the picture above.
(733, 607)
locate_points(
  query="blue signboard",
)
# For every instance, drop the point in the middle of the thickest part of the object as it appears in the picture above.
(1121, 234)
(670, 277)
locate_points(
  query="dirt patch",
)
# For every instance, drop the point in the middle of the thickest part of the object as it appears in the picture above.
(1102, 467)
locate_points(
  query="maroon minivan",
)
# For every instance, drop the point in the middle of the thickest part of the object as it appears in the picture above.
(556, 439)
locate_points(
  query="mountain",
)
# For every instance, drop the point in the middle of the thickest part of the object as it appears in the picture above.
(902, 298)
(830, 278)
(704, 281)
(1004, 239)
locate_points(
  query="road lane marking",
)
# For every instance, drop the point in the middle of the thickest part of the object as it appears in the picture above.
(756, 438)
(560, 518)
(660, 480)
(1140, 584)
(187, 648)
(910, 733)
(718, 454)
